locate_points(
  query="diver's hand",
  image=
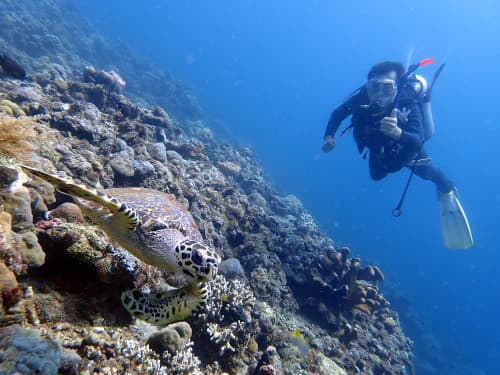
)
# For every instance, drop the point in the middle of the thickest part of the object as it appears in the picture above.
(328, 144)
(389, 126)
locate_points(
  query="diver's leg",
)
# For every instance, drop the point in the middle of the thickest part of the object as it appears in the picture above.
(377, 166)
(396, 158)
(434, 174)
(455, 227)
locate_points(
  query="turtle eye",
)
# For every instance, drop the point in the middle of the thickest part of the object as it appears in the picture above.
(197, 258)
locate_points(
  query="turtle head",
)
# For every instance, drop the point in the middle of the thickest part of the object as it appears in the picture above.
(196, 261)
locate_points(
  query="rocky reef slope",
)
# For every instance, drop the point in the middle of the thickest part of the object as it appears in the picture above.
(41, 32)
(288, 300)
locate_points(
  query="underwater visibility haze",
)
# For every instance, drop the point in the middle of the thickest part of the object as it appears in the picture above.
(271, 72)
(224, 105)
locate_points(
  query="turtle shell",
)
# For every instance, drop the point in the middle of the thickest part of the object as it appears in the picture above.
(161, 208)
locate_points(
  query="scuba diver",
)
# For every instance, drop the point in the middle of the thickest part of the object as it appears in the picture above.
(391, 120)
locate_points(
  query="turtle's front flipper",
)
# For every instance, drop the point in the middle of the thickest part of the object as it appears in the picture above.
(126, 215)
(166, 307)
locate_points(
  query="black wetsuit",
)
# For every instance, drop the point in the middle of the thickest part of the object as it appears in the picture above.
(386, 154)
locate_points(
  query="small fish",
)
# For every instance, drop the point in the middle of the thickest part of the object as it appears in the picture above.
(12, 67)
(298, 339)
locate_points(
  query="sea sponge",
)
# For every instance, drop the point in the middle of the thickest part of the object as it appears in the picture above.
(16, 137)
(8, 284)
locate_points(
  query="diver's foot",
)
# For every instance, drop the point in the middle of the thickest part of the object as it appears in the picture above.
(447, 189)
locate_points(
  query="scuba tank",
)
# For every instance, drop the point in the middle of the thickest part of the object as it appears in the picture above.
(418, 90)
(415, 87)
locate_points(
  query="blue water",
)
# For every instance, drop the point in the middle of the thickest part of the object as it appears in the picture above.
(272, 71)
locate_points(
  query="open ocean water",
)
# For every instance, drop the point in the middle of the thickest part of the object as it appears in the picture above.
(270, 73)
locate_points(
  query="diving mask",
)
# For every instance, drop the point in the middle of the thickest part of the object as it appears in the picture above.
(381, 91)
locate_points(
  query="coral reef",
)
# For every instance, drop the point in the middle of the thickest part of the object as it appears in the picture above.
(67, 211)
(110, 80)
(171, 339)
(11, 109)
(269, 238)
(59, 46)
(24, 351)
(288, 299)
(16, 135)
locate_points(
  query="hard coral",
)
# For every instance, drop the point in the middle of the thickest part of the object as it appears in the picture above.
(11, 108)
(223, 337)
(266, 370)
(8, 286)
(69, 212)
(24, 351)
(16, 137)
(183, 362)
(229, 167)
(110, 80)
(171, 339)
(231, 298)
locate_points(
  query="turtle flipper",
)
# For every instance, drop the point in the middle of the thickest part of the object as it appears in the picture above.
(127, 215)
(166, 307)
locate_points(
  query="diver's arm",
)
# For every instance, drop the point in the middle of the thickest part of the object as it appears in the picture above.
(339, 115)
(336, 118)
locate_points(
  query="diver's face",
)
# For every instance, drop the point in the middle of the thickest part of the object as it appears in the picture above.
(382, 89)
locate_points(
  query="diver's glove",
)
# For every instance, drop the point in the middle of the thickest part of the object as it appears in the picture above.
(328, 144)
(389, 126)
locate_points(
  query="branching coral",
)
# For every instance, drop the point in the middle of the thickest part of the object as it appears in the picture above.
(146, 361)
(142, 358)
(229, 296)
(228, 314)
(183, 362)
(225, 337)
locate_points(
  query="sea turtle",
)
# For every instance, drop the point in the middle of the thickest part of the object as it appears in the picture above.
(156, 228)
